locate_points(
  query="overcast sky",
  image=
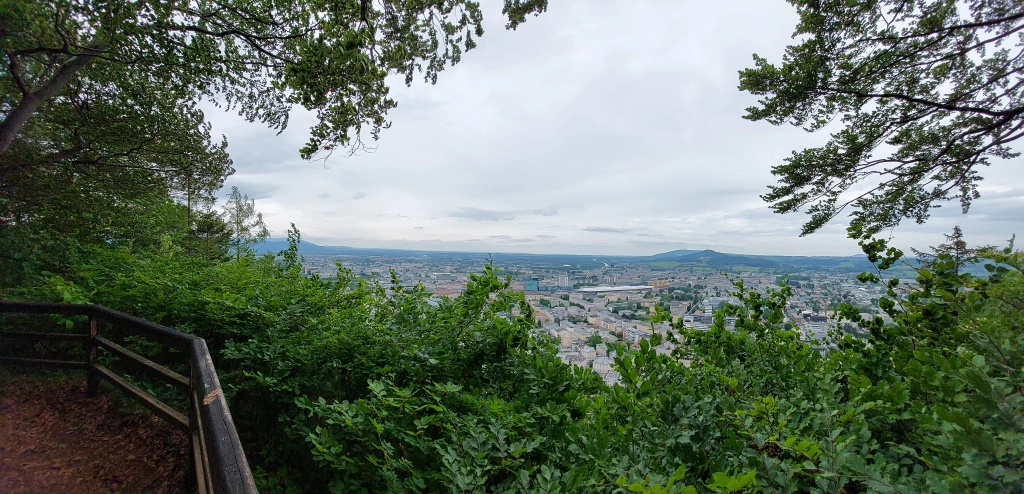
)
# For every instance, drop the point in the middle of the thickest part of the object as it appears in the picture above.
(600, 127)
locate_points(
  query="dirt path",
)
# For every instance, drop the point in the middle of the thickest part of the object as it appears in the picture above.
(55, 440)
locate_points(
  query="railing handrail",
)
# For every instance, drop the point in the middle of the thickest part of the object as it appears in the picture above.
(220, 462)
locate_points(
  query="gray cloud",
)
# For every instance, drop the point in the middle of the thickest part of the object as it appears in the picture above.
(253, 186)
(509, 238)
(477, 214)
(607, 229)
(323, 196)
(519, 141)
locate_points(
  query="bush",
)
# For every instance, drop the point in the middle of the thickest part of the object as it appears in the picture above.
(347, 385)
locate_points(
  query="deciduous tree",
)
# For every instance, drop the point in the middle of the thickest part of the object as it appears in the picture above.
(260, 57)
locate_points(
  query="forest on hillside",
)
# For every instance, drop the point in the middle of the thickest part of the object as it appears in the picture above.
(109, 174)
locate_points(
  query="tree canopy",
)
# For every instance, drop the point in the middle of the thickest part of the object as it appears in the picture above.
(260, 57)
(927, 93)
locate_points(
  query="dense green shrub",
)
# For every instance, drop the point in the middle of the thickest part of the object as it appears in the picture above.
(347, 385)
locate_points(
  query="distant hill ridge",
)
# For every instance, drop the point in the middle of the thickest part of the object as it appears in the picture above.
(685, 257)
(715, 259)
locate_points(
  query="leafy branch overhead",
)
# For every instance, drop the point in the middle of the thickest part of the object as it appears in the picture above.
(927, 93)
(260, 57)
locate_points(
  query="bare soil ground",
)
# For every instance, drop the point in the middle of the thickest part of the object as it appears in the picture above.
(54, 439)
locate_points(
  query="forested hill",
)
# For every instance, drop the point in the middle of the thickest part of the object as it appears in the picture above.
(721, 260)
(676, 258)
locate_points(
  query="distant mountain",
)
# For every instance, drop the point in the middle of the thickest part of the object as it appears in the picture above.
(714, 259)
(672, 255)
(576, 261)
(275, 245)
(856, 263)
(719, 260)
(685, 257)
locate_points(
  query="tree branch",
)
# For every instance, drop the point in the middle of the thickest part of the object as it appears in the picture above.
(13, 68)
(30, 102)
(1010, 112)
(945, 30)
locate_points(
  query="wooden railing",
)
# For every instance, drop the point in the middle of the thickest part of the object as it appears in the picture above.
(219, 461)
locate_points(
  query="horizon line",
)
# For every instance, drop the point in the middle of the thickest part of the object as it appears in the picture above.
(438, 251)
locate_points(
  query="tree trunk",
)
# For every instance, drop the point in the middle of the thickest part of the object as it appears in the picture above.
(30, 102)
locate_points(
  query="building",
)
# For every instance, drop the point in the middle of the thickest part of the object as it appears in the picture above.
(563, 280)
(532, 285)
(700, 319)
(543, 316)
(600, 289)
(566, 338)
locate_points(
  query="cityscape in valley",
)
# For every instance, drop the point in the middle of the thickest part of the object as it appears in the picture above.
(155, 335)
(583, 302)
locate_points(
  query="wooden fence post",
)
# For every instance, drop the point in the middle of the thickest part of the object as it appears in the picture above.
(195, 468)
(92, 379)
